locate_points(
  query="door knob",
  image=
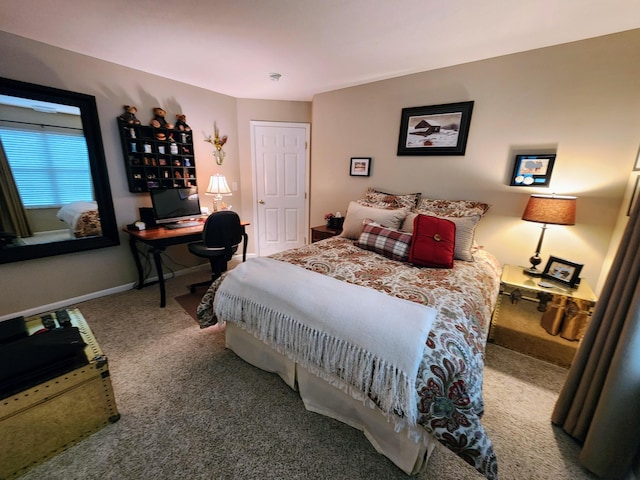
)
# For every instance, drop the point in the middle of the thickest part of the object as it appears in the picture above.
(261, 202)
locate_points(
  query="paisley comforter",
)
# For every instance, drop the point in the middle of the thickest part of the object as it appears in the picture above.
(449, 382)
(83, 219)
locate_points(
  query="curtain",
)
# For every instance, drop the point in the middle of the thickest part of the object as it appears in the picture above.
(599, 404)
(13, 217)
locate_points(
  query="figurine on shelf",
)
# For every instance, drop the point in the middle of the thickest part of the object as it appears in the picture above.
(158, 120)
(129, 115)
(181, 123)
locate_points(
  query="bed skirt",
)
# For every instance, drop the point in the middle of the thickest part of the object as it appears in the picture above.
(321, 397)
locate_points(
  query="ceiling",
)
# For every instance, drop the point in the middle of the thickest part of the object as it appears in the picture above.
(232, 46)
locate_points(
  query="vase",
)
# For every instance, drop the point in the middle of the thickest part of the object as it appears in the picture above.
(219, 154)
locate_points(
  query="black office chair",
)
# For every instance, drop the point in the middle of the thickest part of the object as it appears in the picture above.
(221, 236)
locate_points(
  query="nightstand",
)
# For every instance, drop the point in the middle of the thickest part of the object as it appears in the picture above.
(546, 323)
(321, 232)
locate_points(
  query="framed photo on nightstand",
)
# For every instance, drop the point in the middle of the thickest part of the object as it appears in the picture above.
(562, 271)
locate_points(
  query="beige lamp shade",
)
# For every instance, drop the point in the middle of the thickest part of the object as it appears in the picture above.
(218, 186)
(551, 209)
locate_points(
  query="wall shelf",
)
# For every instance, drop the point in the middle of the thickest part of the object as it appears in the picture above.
(157, 157)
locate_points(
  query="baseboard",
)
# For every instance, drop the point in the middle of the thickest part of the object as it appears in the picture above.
(101, 293)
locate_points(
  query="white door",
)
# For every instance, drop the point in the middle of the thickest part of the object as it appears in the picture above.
(280, 153)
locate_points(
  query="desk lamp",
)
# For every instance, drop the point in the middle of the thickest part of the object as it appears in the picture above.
(218, 187)
(548, 209)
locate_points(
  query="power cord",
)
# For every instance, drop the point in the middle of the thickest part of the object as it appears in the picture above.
(147, 264)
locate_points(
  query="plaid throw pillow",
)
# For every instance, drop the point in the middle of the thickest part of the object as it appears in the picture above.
(385, 241)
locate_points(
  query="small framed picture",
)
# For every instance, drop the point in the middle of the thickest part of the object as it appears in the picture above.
(562, 271)
(636, 166)
(360, 166)
(532, 170)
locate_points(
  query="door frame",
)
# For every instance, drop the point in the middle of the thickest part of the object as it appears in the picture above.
(307, 167)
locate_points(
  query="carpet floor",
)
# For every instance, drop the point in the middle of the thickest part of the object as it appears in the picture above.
(192, 409)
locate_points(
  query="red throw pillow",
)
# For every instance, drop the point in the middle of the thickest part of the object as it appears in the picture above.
(433, 242)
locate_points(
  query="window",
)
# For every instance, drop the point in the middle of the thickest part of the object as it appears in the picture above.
(50, 164)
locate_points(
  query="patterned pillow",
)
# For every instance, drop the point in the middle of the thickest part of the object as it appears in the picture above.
(389, 201)
(357, 214)
(465, 233)
(451, 208)
(391, 243)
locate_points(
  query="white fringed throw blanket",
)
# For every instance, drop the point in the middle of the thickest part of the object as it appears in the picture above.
(371, 341)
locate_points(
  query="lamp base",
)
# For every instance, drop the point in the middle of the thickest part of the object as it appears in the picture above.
(532, 272)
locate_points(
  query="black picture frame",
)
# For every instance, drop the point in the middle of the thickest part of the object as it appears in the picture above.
(435, 130)
(360, 166)
(562, 271)
(636, 166)
(634, 195)
(532, 170)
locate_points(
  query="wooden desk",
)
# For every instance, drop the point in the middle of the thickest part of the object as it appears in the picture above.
(158, 239)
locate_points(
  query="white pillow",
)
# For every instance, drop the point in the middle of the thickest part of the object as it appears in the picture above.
(465, 233)
(357, 214)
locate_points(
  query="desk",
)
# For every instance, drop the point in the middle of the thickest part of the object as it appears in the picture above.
(161, 238)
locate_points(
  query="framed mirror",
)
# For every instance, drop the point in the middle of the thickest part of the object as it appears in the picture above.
(55, 196)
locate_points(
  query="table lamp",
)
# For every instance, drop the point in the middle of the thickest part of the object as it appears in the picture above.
(548, 209)
(218, 187)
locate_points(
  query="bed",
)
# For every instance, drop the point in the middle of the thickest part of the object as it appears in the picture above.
(301, 333)
(82, 219)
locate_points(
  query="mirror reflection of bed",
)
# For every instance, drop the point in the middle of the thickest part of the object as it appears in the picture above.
(71, 221)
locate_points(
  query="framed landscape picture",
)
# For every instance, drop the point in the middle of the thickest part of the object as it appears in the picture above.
(532, 170)
(435, 130)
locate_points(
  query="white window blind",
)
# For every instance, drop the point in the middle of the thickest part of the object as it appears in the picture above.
(50, 165)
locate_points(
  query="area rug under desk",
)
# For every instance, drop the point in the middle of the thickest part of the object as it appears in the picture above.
(519, 329)
(190, 301)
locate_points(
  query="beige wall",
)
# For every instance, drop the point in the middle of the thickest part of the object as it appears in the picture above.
(27, 285)
(581, 99)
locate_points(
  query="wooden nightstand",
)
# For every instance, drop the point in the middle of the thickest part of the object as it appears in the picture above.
(321, 232)
(546, 323)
